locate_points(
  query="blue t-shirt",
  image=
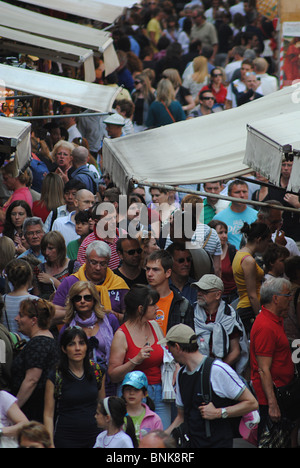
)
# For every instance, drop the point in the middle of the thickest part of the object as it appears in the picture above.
(235, 222)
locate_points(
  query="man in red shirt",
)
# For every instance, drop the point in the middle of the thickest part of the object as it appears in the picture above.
(270, 353)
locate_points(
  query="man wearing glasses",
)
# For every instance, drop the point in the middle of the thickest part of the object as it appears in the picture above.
(33, 230)
(207, 101)
(180, 279)
(270, 351)
(130, 269)
(219, 325)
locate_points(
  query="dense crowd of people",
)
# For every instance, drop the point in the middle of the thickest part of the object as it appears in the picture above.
(110, 316)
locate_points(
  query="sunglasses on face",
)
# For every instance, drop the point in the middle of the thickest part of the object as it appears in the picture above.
(208, 98)
(182, 260)
(133, 251)
(86, 298)
(217, 74)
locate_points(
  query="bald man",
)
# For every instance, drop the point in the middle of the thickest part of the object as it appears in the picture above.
(81, 171)
(84, 199)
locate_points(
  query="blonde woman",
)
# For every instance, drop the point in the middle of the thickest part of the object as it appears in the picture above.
(62, 156)
(52, 196)
(182, 94)
(165, 109)
(84, 309)
(199, 78)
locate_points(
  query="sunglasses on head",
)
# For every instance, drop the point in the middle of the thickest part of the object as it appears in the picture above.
(86, 298)
(133, 251)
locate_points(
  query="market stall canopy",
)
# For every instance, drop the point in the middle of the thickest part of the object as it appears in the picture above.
(269, 141)
(15, 139)
(202, 149)
(22, 42)
(79, 93)
(65, 31)
(107, 12)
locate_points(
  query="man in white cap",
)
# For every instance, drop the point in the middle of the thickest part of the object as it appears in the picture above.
(114, 125)
(207, 420)
(218, 325)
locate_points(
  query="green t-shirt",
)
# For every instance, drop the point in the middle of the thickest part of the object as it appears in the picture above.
(72, 249)
(137, 421)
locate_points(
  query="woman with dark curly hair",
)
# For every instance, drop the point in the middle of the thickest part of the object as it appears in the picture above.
(15, 216)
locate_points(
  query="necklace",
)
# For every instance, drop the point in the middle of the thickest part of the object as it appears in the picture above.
(109, 437)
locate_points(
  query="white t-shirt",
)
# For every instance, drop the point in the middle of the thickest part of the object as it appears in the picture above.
(224, 381)
(6, 401)
(119, 440)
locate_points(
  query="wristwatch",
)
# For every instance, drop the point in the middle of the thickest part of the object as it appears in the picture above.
(224, 413)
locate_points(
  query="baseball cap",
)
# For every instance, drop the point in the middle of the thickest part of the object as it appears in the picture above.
(180, 333)
(209, 281)
(115, 119)
(136, 379)
(248, 425)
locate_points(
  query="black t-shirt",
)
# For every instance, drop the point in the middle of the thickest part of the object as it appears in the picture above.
(40, 352)
(140, 279)
(291, 220)
(75, 412)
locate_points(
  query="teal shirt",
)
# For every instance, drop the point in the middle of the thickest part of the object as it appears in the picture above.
(158, 115)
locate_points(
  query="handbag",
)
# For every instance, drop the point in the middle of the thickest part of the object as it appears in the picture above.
(276, 434)
(288, 399)
(168, 368)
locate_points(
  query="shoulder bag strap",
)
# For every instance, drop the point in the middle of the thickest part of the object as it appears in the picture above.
(207, 239)
(169, 112)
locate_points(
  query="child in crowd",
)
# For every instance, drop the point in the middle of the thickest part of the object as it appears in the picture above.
(134, 390)
(273, 259)
(110, 417)
(82, 228)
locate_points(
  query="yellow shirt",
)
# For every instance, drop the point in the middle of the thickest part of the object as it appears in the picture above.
(239, 278)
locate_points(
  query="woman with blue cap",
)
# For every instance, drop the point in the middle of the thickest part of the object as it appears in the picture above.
(134, 391)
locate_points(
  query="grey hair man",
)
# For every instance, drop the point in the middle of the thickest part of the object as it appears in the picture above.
(33, 231)
(111, 287)
(270, 350)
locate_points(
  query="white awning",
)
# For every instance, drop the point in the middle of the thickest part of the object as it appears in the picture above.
(107, 12)
(15, 138)
(61, 30)
(268, 141)
(202, 149)
(22, 42)
(79, 93)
